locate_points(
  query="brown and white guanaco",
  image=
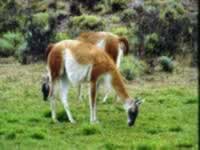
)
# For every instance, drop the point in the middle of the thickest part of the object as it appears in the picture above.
(115, 46)
(75, 62)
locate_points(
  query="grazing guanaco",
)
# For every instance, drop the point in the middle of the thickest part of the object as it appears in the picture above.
(75, 62)
(114, 45)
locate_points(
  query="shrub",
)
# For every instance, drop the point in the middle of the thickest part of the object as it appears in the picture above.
(6, 48)
(74, 8)
(85, 22)
(100, 8)
(169, 22)
(21, 52)
(150, 43)
(61, 5)
(61, 36)
(9, 11)
(90, 4)
(173, 10)
(115, 19)
(131, 67)
(121, 31)
(39, 32)
(128, 15)
(166, 64)
(41, 19)
(118, 4)
(13, 37)
(105, 6)
(10, 42)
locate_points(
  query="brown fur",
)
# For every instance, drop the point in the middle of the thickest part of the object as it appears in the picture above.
(48, 49)
(112, 42)
(126, 45)
(55, 62)
(111, 48)
(86, 53)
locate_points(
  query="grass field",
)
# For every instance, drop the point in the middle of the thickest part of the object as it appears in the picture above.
(167, 119)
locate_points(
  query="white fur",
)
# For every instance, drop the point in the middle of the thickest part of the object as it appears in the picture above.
(107, 79)
(119, 57)
(93, 117)
(64, 87)
(128, 104)
(107, 86)
(76, 72)
(101, 44)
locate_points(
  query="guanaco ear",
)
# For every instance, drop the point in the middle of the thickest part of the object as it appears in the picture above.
(48, 49)
(45, 78)
(124, 41)
(45, 91)
(139, 101)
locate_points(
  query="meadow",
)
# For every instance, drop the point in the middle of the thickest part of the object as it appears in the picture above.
(167, 119)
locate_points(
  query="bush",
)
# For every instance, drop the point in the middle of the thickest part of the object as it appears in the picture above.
(89, 4)
(61, 36)
(87, 21)
(74, 8)
(21, 52)
(84, 23)
(128, 15)
(6, 48)
(121, 31)
(9, 11)
(131, 67)
(115, 19)
(150, 43)
(41, 20)
(172, 9)
(166, 64)
(169, 22)
(39, 32)
(10, 42)
(118, 5)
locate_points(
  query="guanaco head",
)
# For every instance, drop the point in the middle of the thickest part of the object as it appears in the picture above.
(45, 87)
(133, 110)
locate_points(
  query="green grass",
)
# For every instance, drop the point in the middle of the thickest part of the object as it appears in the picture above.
(167, 119)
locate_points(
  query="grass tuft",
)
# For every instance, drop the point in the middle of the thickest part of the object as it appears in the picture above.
(154, 131)
(38, 136)
(176, 129)
(144, 146)
(184, 145)
(2, 133)
(12, 121)
(11, 136)
(36, 120)
(111, 146)
(90, 130)
(191, 101)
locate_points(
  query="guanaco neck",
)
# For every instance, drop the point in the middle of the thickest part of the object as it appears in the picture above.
(119, 85)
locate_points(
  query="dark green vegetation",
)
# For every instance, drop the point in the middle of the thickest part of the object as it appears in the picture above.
(153, 28)
(167, 119)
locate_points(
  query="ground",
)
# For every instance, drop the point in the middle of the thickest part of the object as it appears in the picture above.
(167, 119)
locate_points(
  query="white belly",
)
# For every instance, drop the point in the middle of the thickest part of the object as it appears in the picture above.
(119, 57)
(76, 72)
(101, 44)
